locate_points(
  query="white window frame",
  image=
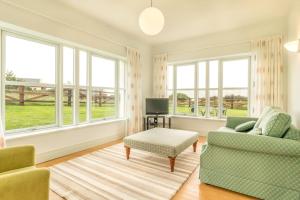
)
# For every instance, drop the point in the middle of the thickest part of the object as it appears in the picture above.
(74, 86)
(106, 88)
(220, 88)
(4, 82)
(59, 44)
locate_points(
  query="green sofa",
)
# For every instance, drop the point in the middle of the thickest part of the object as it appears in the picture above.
(263, 165)
(19, 179)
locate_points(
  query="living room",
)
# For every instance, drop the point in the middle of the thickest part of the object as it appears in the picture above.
(81, 80)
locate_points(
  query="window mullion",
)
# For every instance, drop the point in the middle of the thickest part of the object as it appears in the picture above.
(116, 89)
(207, 109)
(76, 104)
(89, 87)
(174, 89)
(196, 89)
(59, 87)
(220, 85)
(2, 81)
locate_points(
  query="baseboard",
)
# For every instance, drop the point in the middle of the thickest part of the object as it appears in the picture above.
(50, 155)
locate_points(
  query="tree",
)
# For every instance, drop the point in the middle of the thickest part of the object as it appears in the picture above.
(180, 96)
(10, 76)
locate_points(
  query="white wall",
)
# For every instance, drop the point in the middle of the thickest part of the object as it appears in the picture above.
(216, 45)
(220, 44)
(56, 20)
(294, 66)
(202, 126)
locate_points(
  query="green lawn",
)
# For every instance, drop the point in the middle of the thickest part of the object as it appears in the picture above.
(33, 114)
(41, 114)
(213, 113)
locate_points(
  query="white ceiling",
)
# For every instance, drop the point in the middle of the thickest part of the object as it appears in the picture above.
(183, 18)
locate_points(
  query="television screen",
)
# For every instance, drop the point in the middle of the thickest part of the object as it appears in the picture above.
(157, 106)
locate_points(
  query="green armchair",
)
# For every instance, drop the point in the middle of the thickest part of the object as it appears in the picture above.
(257, 165)
(19, 179)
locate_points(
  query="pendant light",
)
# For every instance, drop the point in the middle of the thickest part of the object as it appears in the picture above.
(151, 20)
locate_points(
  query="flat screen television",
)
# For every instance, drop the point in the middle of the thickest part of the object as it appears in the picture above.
(157, 106)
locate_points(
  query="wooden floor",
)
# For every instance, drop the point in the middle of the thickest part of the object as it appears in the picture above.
(191, 190)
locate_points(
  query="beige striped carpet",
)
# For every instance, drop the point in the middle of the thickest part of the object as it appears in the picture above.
(106, 174)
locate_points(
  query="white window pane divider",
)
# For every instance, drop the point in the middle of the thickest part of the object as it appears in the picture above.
(207, 112)
(117, 91)
(174, 88)
(76, 99)
(196, 65)
(89, 90)
(220, 87)
(2, 75)
(59, 88)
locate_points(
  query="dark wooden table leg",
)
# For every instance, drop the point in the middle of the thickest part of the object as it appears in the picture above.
(127, 152)
(172, 163)
(195, 146)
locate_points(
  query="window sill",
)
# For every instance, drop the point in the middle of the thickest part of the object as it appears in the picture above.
(18, 135)
(197, 118)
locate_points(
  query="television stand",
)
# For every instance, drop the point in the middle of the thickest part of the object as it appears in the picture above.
(153, 121)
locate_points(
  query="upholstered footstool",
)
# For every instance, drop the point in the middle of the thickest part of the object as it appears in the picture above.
(162, 141)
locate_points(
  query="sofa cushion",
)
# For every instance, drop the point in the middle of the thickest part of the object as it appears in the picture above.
(262, 115)
(267, 110)
(244, 127)
(275, 123)
(255, 131)
(225, 129)
(292, 133)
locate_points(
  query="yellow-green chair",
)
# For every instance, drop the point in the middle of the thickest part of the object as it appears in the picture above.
(19, 178)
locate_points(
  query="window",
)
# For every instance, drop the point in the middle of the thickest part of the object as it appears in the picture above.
(122, 86)
(235, 87)
(202, 89)
(185, 84)
(103, 87)
(221, 87)
(83, 86)
(48, 84)
(30, 91)
(213, 88)
(68, 85)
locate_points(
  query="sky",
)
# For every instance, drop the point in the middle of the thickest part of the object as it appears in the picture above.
(27, 59)
(235, 75)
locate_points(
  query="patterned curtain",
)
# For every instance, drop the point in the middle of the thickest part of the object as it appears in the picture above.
(160, 76)
(2, 139)
(267, 74)
(134, 92)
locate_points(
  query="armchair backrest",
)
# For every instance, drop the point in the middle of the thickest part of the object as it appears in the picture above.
(16, 157)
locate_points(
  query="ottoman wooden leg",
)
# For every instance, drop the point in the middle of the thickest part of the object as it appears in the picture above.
(127, 152)
(195, 146)
(172, 163)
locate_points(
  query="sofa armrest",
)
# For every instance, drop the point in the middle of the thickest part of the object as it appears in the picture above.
(32, 184)
(255, 143)
(233, 122)
(16, 157)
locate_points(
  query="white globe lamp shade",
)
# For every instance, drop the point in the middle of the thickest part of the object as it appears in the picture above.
(151, 21)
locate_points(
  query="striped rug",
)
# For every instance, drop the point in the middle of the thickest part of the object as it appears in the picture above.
(106, 174)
